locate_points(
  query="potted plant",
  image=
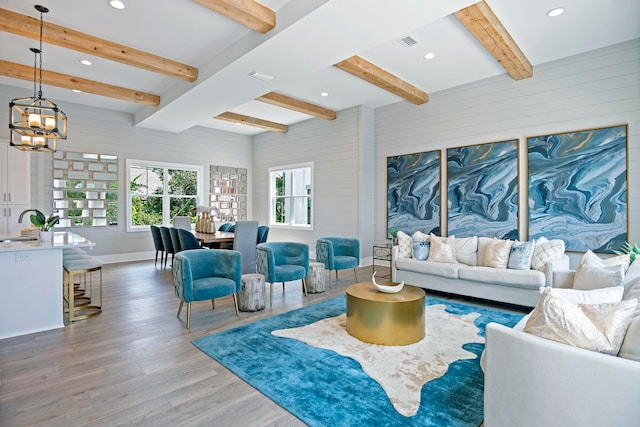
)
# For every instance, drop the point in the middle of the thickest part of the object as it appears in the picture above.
(45, 224)
(627, 248)
(394, 235)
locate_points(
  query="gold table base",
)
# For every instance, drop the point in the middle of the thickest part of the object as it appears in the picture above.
(386, 319)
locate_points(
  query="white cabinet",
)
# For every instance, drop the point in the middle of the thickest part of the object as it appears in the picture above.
(15, 188)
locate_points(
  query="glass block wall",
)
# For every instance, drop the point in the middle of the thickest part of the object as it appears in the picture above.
(228, 193)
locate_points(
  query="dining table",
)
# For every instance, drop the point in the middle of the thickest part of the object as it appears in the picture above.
(215, 240)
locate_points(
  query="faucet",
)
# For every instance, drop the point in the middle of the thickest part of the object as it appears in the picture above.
(24, 212)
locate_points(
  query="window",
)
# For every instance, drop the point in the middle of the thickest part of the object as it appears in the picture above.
(159, 191)
(291, 196)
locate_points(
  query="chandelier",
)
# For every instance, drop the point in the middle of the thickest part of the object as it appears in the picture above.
(36, 123)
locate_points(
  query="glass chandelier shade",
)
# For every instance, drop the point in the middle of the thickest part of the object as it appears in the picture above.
(35, 123)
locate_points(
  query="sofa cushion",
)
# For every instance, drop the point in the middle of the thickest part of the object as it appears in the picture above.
(497, 253)
(520, 255)
(443, 249)
(630, 348)
(592, 276)
(593, 296)
(420, 246)
(597, 327)
(467, 250)
(529, 279)
(441, 269)
(405, 245)
(483, 243)
(545, 251)
(633, 273)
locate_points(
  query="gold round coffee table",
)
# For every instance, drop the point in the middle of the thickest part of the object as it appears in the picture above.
(386, 319)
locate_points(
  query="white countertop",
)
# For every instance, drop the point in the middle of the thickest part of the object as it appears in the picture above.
(61, 240)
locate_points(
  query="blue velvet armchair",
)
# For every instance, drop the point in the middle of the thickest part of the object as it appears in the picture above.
(199, 275)
(283, 262)
(338, 253)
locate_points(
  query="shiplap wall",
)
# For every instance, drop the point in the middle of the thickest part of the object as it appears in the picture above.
(596, 89)
(101, 131)
(339, 150)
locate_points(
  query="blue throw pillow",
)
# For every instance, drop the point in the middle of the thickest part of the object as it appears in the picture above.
(520, 255)
(420, 249)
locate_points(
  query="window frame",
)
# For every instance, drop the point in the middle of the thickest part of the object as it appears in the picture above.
(272, 197)
(166, 219)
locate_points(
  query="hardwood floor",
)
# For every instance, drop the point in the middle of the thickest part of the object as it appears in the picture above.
(134, 364)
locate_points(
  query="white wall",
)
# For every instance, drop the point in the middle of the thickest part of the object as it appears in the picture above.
(101, 131)
(596, 89)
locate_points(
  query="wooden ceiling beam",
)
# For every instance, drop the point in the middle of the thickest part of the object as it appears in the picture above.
(284, 101)
(375, 75)
(249, 13)
(252, 121)
(485, 26)
(51, 78)
(67, 38)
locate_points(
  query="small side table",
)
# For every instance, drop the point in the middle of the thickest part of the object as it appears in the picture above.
(251, 296)
(315, 280)
(382, 252)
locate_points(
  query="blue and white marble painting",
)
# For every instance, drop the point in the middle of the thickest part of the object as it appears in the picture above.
(578, 188)
(413, 192)
(483, 190)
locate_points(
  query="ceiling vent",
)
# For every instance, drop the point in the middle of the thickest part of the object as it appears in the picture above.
(408, 41)
(261, 76)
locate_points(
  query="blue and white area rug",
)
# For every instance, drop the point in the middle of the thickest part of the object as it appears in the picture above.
(306, 362)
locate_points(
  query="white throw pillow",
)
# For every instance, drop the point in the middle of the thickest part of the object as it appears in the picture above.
(520, 255)
(405, 245)
(497, 253)
(545, 251)
(467, 250)
(594, 296)
(630, 348)
(591, 258)
(597, 327)
(443, 249)
(592, 276)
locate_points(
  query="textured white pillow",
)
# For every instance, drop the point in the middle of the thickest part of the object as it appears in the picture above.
(630, 348)
(597, 327)
(420, 246)
(591, 276)
(591, 258)
(545, 251)
(467, 250)
(594, 296)
(497, 253)
(443, 249)
(405, 245)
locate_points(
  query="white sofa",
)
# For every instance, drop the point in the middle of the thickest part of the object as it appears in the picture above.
(466, 277)
(532, 381)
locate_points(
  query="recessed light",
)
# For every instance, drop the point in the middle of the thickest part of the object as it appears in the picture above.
(76, 90)
(555, 12)
(324, 93)
(430, 55)
(116, 4)
(85, 62)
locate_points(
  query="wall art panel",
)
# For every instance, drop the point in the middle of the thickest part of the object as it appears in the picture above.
(413, 192)
(482, 190)
(578, 188)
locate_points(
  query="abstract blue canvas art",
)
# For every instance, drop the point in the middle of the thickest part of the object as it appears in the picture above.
(483, 190)
(578, 188)
(413, 192)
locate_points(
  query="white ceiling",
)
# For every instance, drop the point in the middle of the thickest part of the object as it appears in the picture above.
(310, 36)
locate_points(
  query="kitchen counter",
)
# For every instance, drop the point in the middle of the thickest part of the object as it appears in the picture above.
(31, 283)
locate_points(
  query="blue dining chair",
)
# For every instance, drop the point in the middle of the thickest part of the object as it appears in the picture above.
(157, 243)
(203, 275)
(175, 239)
(338, 253)
(168, 244)
(225, 226)
(263, 233)
(188, 240)
(283, 262)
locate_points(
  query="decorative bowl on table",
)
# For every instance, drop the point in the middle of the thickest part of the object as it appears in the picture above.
(387, 287)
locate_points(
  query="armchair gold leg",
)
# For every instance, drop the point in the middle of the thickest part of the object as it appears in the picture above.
(355, 271)
(235, 302)
(304, 286)
(180, 309)
(188, 315)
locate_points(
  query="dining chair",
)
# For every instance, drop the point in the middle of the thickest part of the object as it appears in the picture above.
(188, 240)
(283, 262)
(244, 240)
(263, 232)
(338, 253)
(225, 226)
(175, 239)
(157, 243)
(203, 275)
(168, 244)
